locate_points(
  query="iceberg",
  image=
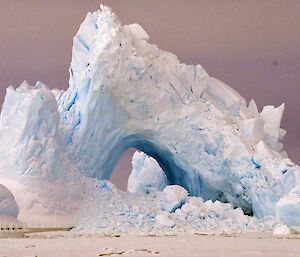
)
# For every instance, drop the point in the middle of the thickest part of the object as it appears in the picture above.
(8, 205)
(146, 176)
(56, 146)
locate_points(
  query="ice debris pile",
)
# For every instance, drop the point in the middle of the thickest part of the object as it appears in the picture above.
(170, 211)
(124, 92)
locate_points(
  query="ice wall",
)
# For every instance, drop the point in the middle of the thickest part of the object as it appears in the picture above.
(124, 92)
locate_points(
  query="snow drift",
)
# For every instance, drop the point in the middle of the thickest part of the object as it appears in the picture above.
(123, 92)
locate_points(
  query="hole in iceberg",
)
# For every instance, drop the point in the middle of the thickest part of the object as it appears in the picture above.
(122, 170)
(149, 166)
(138, 172)
(152, 155)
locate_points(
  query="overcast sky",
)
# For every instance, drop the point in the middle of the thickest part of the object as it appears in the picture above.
(254, 46)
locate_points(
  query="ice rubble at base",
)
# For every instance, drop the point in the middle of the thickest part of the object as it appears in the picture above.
(288, 208)
(118, 212)
(123, 92)
(282, 230)
(173, 198)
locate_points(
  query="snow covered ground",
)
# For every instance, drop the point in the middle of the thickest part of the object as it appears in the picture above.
(76, 245)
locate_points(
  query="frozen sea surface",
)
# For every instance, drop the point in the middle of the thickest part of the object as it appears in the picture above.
(77, 245)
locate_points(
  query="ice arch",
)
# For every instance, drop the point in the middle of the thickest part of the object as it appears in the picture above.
(124, 92)
(174, 172)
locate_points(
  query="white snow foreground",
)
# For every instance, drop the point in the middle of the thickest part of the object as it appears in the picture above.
(124, 92)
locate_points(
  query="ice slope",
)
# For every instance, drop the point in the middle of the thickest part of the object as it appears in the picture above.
(124, 92)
